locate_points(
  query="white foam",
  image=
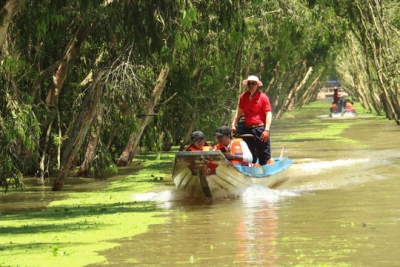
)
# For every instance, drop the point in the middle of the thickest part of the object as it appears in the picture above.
(250, 194)
(163, 196)
(315, 167)
(259, 192)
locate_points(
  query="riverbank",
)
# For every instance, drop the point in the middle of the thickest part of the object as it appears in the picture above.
(68, 227)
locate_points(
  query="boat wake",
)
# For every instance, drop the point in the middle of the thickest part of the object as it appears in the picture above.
(252, 193)
(258, 192)
(311, 166)
(310, 175)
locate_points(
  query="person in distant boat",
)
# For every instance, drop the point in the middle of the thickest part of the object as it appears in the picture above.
(349, 106)
(334, 107)
(198, 142)
(336, 95)
(256, 108)
(236, 150)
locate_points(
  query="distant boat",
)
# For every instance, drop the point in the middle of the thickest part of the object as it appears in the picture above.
(208, 174)
(342, 111)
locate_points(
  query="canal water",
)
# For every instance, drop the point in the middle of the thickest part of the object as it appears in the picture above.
(339, 207)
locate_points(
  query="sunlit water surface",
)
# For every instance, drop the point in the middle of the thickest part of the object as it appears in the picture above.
(340, 207)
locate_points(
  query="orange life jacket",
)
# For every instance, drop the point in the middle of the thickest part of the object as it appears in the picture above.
(349, 106)
(193, 148)
(236, 150)
(221, 147)
(334, 108)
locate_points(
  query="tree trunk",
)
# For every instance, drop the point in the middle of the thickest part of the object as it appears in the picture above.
(43, 158)
(298, 88)
(194, 115)
(77, 131)
(70, 55)
(133, 141)
(6, 14)
(307, 96)
(251, 58)
(91, 148)
(113, 133)
(187, 135)
(292, 93)
(274, 79)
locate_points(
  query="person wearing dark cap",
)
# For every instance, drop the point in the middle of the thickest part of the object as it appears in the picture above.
(256, 108)
(198, 142)
(236, 150)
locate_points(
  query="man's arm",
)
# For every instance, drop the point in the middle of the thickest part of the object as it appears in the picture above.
(268, 120)
(246, 157)
(239, 113)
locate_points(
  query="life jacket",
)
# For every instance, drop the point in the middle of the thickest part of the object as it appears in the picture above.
(236, 150)
(334, 108)
(221, 147)
(349, 107)
(193, 148)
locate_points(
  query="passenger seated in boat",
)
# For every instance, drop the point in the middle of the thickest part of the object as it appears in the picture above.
(236, 150)
(349, 106)
(198, 142)
(334, 107)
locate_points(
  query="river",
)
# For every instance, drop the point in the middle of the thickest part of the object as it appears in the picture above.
(339, 207)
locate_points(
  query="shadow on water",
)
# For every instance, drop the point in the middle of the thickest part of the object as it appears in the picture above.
(37, 196)
(80, 212)
(72, 219)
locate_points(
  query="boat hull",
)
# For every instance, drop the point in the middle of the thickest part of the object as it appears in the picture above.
(209, 174)
(344, 114)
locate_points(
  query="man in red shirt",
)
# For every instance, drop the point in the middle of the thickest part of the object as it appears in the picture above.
(336, 95)
(256, 108)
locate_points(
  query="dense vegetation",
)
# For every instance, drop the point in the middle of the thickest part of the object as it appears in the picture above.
(90, 83)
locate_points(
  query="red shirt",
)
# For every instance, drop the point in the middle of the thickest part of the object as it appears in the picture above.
(336, 97)
(254, 108)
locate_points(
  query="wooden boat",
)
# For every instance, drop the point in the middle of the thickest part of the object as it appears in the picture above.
(209, 174)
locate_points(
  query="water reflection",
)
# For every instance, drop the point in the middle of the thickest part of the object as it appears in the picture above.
(256, 234)
(228, 232)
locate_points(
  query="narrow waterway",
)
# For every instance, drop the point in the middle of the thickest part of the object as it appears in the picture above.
(338, 208)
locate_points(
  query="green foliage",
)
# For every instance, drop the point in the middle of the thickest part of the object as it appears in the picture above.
(211, 46)
(19, 131)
